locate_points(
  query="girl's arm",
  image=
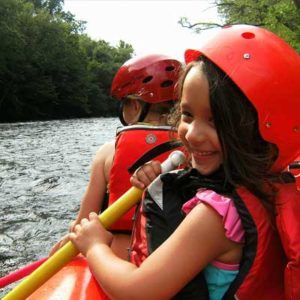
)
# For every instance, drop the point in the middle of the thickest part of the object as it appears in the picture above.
(198, 240)
(92, 199)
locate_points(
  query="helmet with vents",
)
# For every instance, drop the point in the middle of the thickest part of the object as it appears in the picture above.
(151, 78)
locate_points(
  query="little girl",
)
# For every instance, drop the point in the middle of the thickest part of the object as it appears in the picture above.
(233, 124)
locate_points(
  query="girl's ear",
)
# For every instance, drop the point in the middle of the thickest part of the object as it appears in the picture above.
(137, 106)
(132, 111)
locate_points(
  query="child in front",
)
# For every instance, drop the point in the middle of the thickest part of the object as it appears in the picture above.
(237, 118)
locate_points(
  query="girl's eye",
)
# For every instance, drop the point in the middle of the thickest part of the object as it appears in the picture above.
(185, 115)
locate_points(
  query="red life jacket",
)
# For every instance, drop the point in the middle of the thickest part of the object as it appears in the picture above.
(288, 223)
(262, 266)
(263, 256)
(131, 143)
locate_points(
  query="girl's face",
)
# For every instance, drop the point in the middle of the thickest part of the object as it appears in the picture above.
(196, 128)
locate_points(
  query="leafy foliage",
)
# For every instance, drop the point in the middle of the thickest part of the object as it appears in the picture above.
(48, 68)
(279, 16)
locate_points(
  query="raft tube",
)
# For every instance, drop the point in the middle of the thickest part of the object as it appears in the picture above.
(73, 282)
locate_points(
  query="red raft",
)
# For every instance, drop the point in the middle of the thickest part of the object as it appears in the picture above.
(72, 282)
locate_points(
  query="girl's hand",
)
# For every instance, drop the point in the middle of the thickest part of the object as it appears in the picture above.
(89, 233)
(72, 225)
(145, 174)
(59, 244)
(63, 240)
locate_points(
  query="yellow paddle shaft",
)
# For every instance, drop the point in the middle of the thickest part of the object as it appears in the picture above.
(65, 254)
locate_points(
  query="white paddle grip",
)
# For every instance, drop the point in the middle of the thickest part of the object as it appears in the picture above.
(173, 161)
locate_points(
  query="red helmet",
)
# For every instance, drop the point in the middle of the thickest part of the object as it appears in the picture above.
(267, 70)
(151, 78)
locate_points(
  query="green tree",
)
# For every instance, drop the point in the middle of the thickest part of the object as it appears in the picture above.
(279, 16)
(42, 67)
(52, 6)
(49, 68)
(103, 62)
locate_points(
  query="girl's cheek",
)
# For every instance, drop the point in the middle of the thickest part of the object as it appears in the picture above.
(182, 131)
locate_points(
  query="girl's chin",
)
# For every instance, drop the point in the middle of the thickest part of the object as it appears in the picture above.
(205, 170)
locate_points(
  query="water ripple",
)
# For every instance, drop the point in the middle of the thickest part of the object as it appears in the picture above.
(44, 169)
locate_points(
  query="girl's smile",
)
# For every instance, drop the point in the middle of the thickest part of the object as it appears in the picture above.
(196, 128)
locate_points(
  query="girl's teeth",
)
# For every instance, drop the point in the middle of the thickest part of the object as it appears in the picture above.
(204, 153)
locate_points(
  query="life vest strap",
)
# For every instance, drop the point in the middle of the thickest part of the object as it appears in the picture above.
(152, 153)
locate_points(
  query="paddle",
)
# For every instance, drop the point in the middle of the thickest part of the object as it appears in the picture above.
(69, 251)
(20, 273)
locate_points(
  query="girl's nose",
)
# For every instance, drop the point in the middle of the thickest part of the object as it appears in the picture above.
(195, 133)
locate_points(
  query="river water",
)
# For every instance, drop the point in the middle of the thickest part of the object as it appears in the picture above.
(44, 169)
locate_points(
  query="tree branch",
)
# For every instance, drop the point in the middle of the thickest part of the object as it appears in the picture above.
(184, 22)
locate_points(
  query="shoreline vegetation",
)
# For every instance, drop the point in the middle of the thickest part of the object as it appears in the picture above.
(49, 68)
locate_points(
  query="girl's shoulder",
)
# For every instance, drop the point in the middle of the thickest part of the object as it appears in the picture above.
(224, 206)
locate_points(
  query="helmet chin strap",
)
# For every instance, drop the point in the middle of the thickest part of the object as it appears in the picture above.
(144, 112)
(142, 116)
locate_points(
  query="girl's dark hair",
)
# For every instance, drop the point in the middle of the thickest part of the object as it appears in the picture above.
(247, 158)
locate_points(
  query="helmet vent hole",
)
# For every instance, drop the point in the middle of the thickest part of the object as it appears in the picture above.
(248, 35)
(170, 68)
(147, 79)
(166, 83)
